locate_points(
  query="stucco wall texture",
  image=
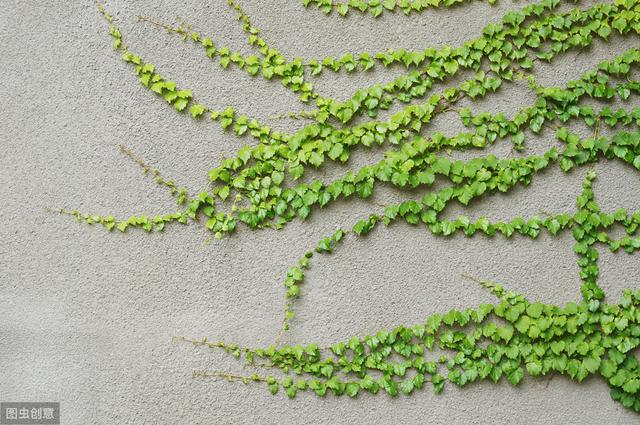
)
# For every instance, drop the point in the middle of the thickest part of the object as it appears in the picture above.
(87, 317)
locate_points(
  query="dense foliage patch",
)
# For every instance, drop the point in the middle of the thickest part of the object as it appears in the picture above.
(259, 188)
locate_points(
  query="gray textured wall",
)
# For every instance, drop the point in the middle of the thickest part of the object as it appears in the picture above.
(86, 317)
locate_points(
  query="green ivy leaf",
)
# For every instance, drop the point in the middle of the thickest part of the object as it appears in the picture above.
(516, 376)
(180, 104)
(196, 110)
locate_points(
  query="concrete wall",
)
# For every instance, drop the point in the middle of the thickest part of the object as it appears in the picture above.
(86, 317)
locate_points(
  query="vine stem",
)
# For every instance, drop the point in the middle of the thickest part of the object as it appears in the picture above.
(211, 344)
(231, 377)
(596, 131)
(487, 284)
(128, 152)
(64, 211)
(156, 23)
(180, 192)
(285, 322)
(310, 115)
(546, 213)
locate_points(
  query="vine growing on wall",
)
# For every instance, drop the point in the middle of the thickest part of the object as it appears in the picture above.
(259, 188)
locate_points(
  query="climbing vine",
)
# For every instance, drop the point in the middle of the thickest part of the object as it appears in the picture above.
(377, 7)
(258, 188)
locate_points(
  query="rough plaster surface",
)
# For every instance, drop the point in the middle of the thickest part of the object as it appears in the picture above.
(86, 317)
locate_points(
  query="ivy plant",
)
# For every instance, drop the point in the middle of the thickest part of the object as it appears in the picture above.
(260, 188)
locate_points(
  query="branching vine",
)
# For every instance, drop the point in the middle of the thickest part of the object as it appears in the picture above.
(377, 7)
(514, 336)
